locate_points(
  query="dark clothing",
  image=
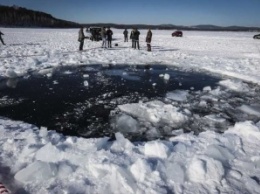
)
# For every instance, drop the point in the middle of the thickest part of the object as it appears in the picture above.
(131, 37)
(126, 35)
(81, 39)
(81, 44)
(136, 44)
(1, 38)
(109, 37)
(149, 36)
(135, 37)
(149, 40)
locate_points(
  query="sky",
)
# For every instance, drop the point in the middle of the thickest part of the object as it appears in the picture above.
(177, 12)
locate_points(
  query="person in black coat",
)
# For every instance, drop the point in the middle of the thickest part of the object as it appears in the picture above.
(125, 35)
(109, 37)
(132, 37)
(1, 39)
(136, 38)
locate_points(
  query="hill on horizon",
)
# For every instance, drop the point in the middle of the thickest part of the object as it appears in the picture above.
(16, 16)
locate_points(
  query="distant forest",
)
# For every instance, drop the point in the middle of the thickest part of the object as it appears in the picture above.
(21, 17)
(15, 16)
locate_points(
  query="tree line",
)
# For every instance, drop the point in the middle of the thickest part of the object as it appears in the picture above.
(21, 17)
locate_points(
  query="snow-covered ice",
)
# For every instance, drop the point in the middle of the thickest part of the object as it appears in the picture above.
(37, 160)
(43, 161)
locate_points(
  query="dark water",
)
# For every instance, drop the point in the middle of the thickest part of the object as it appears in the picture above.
(64, 103)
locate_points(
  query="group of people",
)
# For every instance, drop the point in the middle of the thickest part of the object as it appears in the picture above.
(1, 39)
(106, 35)
(134, 36)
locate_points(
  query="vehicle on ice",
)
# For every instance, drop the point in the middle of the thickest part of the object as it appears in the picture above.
(257, 36)
(94, 33)
(177, 33)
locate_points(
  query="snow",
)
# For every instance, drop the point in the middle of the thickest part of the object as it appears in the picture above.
(39, 160)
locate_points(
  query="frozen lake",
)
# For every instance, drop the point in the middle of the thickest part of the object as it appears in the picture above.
(198, 106)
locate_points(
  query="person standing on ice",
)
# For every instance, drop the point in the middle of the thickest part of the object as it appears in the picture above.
(136, 39)
(1, 38)
(149, 39)
(81, 39)
(131, 37)
(109, 37)
(103, 36)
(125, 35)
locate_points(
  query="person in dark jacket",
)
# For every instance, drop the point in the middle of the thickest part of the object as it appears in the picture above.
(81, 39)
(125, 35)
(136, 38)
(149, 39)
(109, 37)
(1, 39)
(131, 37)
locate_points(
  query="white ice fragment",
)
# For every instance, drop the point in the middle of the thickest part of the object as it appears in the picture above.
(166, 76)
(38, 171)
(121, 144)
(45, 71)
(126, 124)
(140, 169)
(49, 150)
(175, 172)
(180, 147)
(155, 112)
(177, 95)
(235, 85)
(64, 170)
(152, 132)
(247, 130)
(161, 75)
(219, 153)
(156, 149)
(207, 88)
(177, 132)
(187, 111)
(205, 169)
(252, 110)
(202, 103)
(154, 84)
(236, 174)
(43, 131)
(215, 118)
(86, 76)
(86, 83)
(67, 72)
